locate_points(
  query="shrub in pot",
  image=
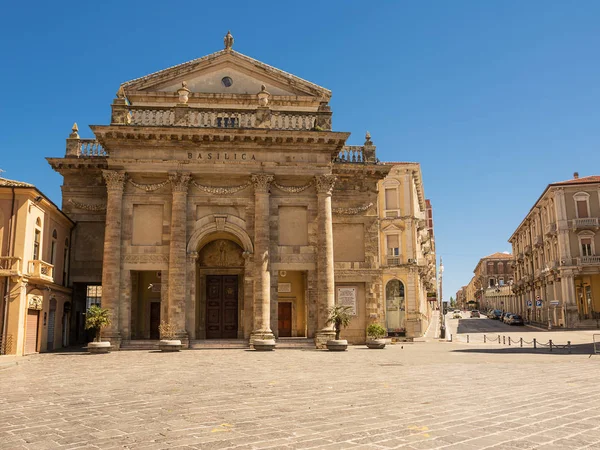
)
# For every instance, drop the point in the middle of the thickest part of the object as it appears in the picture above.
(375, 334)
(97, 318)
(340, 317)
(167, 342)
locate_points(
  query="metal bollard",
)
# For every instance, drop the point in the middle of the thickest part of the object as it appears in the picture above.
(550, 342)
(509, 341)
(498, 339)
(450, 337)
(484, 339)
(467, 338)
(569, 346)
(521, 342)
(534, 343)
(504, 340)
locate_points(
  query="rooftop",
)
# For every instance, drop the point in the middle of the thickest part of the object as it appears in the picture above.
(5, 182)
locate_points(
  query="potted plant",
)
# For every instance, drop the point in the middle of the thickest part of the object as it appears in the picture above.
(340, 317)
(375, 332)
(97, 318)
(167, 342)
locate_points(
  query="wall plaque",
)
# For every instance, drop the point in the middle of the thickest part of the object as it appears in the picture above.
(346, 296)
(284, 287)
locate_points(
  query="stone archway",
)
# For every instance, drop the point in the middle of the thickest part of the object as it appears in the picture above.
(395, 299)
(219, 224)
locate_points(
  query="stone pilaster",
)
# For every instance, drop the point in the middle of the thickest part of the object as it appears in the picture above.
(325, 264)
(111, 262)
(262, 279)
(190, 309)
(178, 256)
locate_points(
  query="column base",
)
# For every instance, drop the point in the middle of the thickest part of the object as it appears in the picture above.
(261, 335)
(114, 337)
(184, 338)
(321, 338)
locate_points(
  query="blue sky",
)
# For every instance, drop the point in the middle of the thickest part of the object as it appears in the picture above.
(495, 99)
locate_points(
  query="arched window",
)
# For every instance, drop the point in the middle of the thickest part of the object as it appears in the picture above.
(582, 204)
(395, 310)
(53, 248)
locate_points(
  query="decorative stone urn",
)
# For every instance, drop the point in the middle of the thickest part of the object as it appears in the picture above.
(376, 343)
(337, 345)
(169, 345)
(98, 347)
(264, 345)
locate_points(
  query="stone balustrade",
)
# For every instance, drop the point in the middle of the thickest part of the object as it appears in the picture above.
(41, 270)
(394, 260)
(10, 266)
(585, 223)
(227, 118)
(85, 148)
(588, 260)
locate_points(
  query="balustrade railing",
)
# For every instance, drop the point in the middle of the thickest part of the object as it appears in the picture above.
(351, 154)
(586, 222)
(587, 260)
(10, 266)
(394, 260)
(89, 148)
(41, 270)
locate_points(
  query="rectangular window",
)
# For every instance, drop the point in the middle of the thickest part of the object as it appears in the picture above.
(501, 281)
(393, 245)
(586, 247)
(391, 199)
(582, 210)
(36, 245)
(93, 296)
(492, 282)
(53, 252)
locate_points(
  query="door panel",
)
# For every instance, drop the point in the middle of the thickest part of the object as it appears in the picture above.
(154, 320)
(33, 318)
(221, 306)
(284, 319)
(51, 319)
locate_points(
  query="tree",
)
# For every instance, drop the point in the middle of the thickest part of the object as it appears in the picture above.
(340, 317)
(452, 302)
(97, 318)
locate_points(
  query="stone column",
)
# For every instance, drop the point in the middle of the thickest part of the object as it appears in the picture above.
(325, 264)
(177, 256)
(111, 261)
(262, 278)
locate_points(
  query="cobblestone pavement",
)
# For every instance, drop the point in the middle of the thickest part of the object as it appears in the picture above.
(412, 396)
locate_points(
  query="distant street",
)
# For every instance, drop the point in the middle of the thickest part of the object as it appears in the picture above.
(468, 325)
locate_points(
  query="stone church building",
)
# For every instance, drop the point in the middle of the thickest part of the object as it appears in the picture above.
(220, 200)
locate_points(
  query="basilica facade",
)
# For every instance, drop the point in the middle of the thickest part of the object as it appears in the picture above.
(219, 199)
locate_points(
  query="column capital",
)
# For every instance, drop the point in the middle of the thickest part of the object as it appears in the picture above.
(193, 256)
(262, 182)
(180, 181)
(115, 180)
(325, 183)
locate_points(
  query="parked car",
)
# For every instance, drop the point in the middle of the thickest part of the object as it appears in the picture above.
(516, 319)
(506, 317)
(495, 314)
(456, 315)
(475, 313)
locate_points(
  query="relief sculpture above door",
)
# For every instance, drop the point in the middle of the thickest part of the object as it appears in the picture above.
(221, 253)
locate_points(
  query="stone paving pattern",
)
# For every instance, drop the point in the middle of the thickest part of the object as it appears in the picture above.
(426, 395)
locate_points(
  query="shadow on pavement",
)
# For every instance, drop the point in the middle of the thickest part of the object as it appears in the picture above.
(466, 326)
(576, 349)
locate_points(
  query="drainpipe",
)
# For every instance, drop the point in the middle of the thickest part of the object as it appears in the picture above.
(11, 249)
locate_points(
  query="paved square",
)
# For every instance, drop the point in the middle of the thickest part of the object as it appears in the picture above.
(416, 396)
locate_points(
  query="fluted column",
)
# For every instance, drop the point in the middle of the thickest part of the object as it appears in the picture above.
(111, 261)
(262, 279)
(178, 256)
(325, 266)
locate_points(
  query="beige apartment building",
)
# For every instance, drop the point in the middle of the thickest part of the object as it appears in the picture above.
(407, 249)
(557, 267)
(35, 302)
(220, 200)
(491, 286)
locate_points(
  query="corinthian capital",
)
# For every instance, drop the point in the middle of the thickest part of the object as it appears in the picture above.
(261, 182)
(325, 183)
(115, 181)
(179, 181)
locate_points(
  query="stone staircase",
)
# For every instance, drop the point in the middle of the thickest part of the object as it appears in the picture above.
(142, 344)
(207, 344)
(219, 344)
(295, 343)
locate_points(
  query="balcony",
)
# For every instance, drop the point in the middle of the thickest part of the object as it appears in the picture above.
(588, 260)
(394, 260)
(41, 270)
(526, 278)
(528, 249)
(520, 256)
(537, 273)
(550, 229)
(586, 223)
(538, 241)
(10, 266)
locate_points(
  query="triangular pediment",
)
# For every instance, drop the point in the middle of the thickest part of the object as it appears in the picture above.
(207, 75)
(391, 227)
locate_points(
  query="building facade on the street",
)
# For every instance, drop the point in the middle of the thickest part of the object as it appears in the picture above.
(492, 282)
(220, 200)
(407, 250)
(557, 267)
(461, 298)
(35, 306)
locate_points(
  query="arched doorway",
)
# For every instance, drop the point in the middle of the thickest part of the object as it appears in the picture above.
(395, 308)
(220, 275)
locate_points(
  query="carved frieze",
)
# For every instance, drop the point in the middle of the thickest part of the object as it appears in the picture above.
(115, 181)
(221, 190)
(325, 183)
(88, 206)
(145, 258)
(352, 211)
(292, 189)
(149, 187)
(261, 182)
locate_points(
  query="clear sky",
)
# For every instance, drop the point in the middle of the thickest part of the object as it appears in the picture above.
(495, 99)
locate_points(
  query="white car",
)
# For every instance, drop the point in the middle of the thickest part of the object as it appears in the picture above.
(456, 314)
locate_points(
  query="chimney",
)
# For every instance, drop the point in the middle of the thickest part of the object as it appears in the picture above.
(576, 175)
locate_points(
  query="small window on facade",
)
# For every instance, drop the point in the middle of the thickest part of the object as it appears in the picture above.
(391, 199)
(53, 248)
(393, 245)
(501, 281)
(582, 209)
(36, 244)
(586, 247)
(492, 282)
(93, 296)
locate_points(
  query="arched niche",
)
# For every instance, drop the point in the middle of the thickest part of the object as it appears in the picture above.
(395, 307)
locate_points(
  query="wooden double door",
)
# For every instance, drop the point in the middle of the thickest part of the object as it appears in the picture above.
(221, 306)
